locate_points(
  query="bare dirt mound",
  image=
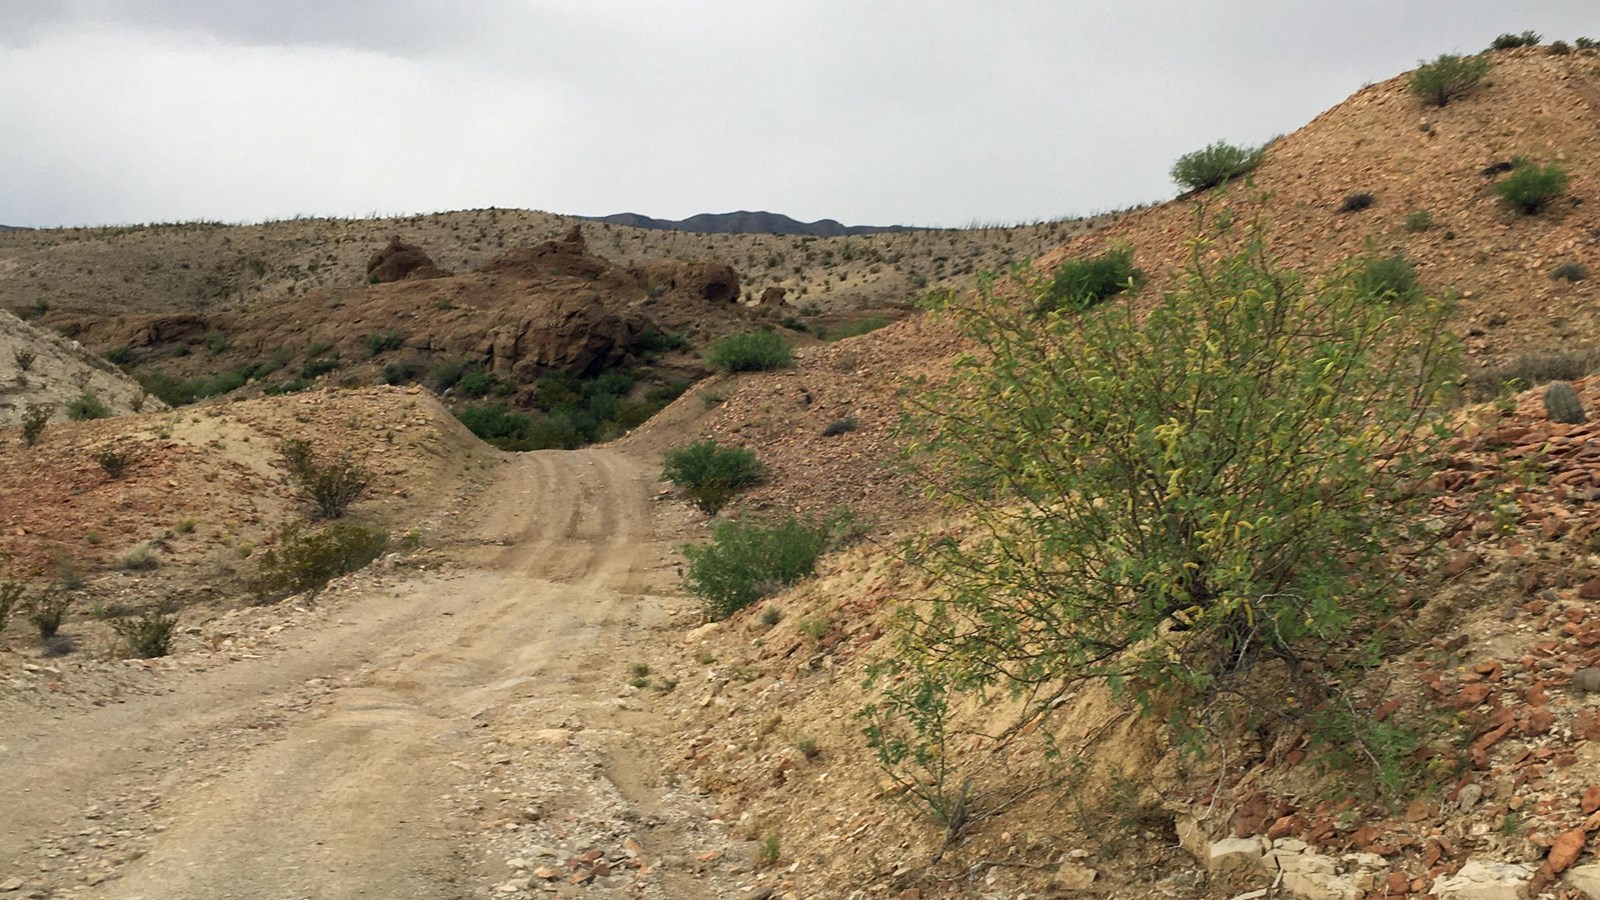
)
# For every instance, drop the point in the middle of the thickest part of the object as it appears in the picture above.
(39, 366)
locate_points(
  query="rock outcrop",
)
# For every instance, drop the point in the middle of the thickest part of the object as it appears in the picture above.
(401, 262)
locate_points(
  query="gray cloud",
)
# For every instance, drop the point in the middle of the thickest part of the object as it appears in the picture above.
(933, 112)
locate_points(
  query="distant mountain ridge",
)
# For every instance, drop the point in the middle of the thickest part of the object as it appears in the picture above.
(12, 228)
(747, 222)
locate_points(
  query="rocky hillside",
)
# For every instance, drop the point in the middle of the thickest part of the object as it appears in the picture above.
(207, 267)
(1504, 633)
(40, 368)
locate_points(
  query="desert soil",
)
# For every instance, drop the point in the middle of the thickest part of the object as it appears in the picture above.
(464, 732)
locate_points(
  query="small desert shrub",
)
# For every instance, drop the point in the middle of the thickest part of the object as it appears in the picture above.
(1532, 370)
(319, 366)
(330, 486)
(478, 383)
(401, 371)
(121, 357)
(149, 634)
(1081, 283)
(1419, 220)
(307, 561)
(381, 341)
(1513, 41)
(24, 358)
(750, 351)
(47, 610)
(1530, 188)
(1392, 278)
(446, 374)
(141, 557)
(1585, 43)
(87, 406)
(709, 474)
(654, 340)
(840, 426)
(216, 342)
(1356, 202)
(1570, 271)
(1560, 48)
(34, 418)
(1212, 165)
(1448, 77)
(115, 459)
(746, 561)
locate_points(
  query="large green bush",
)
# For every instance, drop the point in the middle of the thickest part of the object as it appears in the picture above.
(1530, 188)
(1082, 283)
(710, 474)
(750, 351)
(1212, 165)
(307, 561)
(746, 561)
(1448, 77)
(1164, 500)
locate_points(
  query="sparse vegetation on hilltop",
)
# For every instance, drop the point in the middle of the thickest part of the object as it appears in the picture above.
(1448, 77)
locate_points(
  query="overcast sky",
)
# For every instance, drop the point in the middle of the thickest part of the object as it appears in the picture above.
(932, 112)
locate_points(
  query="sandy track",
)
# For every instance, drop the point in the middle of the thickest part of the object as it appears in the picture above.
(336, 768)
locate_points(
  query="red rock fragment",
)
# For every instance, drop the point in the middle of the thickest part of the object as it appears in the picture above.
(1462, 562)
(1471, 695)
(1591, 799)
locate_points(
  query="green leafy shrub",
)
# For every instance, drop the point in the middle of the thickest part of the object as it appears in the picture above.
(446, 374)
(750, 351)
(385, 340)
(1389, 277)
(1585, 43)
(401, 371)
(87, 406)
(1081, 283)
(478, 383)
(34, 418)
(114, 459)
(47, 610)
(1560, 48)
(1215, 164)
(1166, 499)
(149, 634)
(330, 486)
(121, 357)
(655, 341)
(1530, 188)
(306, 561)
(1418, 220)
(746, 561)
(1448, 77)
(216, 342)
(1513, 41)
(711, 475)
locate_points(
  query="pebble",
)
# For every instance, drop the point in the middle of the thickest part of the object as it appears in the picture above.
(1586, 680)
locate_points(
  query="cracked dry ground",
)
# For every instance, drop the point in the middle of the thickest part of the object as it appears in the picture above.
(458, 734)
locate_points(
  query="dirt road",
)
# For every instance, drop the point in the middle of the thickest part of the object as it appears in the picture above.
(374, 757)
